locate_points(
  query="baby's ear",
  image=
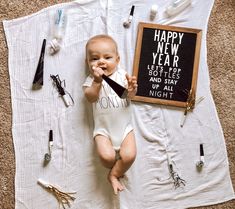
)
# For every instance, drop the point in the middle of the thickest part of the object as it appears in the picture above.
(86, 66)
(118, 58)
(87, 63)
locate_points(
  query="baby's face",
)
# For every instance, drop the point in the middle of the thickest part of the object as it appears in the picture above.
(103, 54)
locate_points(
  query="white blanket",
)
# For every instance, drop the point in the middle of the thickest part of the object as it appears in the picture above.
(75, 165)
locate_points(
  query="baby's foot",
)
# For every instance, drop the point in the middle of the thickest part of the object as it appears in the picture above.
(124, 180)
(116, 184)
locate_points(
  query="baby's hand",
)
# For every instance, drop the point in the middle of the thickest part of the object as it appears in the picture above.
(132, 86)
(97, 73)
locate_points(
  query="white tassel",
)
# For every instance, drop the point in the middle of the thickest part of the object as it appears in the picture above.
(62, 197)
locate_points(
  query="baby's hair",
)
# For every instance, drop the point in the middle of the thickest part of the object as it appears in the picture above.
(102, 37)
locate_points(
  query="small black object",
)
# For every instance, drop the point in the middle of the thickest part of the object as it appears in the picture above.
(47, 156)
(38, 78)
(132, 10)
(201, 162)
(50, 136)
(201, 150)
(119, 90)
(127, 23)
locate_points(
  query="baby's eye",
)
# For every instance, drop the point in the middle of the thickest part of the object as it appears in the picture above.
(94, 58)
(109, 57)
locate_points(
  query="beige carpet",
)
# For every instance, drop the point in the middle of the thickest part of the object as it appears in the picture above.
(221, 61)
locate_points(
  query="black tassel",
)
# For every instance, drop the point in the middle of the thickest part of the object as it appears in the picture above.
(68, 100)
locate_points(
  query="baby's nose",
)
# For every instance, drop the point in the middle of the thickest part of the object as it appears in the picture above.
(101, 61)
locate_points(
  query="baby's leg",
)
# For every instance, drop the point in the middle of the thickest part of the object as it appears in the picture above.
(105, 151)
(128, 154)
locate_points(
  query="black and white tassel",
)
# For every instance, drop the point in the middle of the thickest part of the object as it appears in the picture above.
(174, 175)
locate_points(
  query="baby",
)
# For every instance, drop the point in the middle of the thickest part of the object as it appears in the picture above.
(113, 131)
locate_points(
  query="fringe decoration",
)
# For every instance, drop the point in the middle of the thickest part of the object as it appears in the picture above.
(62, 197)
(174, 175)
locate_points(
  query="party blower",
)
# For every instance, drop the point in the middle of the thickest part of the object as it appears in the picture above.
(38, 78)
(119, 90)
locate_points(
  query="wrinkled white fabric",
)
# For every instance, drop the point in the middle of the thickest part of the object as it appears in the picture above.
(75, 165)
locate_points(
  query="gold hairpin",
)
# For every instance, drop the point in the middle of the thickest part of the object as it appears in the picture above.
(189, 104)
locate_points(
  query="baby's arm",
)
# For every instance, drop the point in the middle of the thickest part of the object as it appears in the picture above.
(92, 92)
(132, 86)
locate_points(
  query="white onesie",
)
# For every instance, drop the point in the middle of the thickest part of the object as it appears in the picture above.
(112, 115)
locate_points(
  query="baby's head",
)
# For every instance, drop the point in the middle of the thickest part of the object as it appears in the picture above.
(102, 51)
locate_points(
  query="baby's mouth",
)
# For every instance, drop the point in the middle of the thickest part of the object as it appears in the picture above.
(103, 68)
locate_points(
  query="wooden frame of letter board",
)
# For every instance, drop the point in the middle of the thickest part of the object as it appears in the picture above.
(198, 33)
